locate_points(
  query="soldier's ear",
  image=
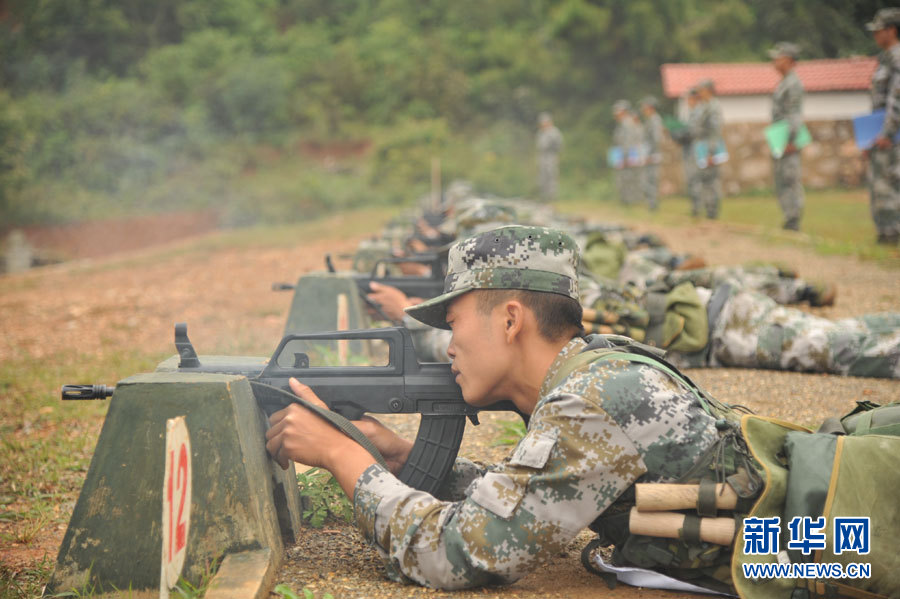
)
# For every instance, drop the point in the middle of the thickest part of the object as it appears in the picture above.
(513, 313)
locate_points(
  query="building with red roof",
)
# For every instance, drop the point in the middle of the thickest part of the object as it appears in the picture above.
(836, 90)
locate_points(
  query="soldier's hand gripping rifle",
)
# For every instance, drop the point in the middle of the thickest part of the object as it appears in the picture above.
(401, 386)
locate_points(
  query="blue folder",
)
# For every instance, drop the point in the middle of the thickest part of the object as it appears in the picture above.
(867, 127)
(616, 157)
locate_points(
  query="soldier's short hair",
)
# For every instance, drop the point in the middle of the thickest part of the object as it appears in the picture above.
(557, 316)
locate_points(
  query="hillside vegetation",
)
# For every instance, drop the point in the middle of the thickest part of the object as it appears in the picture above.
(272, 110)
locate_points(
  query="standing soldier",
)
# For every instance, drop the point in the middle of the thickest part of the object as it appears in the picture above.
(549, 143)
(683, 137)
(787, 103)
(653, 135)
(706, 131)
(884, 178)
(628, 137)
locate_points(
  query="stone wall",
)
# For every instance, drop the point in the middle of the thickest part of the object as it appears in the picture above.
(831, 160)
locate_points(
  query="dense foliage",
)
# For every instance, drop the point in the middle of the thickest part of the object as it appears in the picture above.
(271, 109)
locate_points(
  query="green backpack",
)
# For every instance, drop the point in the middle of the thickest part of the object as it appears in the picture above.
(847, 470)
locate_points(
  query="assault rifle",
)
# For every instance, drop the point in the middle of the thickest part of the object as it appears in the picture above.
(401, 385)
(425, 287)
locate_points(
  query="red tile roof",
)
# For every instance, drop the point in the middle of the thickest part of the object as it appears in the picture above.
(743, 78)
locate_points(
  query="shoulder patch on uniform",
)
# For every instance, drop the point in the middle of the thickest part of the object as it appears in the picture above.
(533, 450)
(498, 493)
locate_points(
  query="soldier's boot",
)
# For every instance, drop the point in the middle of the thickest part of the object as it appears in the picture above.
(791, 224)
(820, 294)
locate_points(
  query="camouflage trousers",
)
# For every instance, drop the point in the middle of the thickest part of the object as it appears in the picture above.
(650, 183)
(645, 267)
(628, 184)
(548, 176)
(709, 190)
(691, 181)
(765, 279)
(789, 188)
(753, 331)
(884, 190)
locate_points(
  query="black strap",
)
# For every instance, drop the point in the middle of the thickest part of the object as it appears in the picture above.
(706, 498)
(832, 426)
(339, 422)
(690, 530)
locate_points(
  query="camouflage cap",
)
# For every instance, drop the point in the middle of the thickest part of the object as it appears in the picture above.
(649, 101)
(885, 17)
(620, 105)
(785, 49)
(706, 84)
(511, 257)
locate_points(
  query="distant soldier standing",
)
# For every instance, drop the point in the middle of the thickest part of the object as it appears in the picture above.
(683, 137)
(884, 162)
(629, 138)
(707, 132)
(787, 103)
(653, 136)
(549, 143)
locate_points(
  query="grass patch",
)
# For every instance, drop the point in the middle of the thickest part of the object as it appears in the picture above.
(26, 582)
(46, 445)
(322, 498)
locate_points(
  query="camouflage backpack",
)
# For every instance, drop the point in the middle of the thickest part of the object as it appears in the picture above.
(687, 558)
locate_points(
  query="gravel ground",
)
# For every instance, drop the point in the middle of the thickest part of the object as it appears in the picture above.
(109, 304)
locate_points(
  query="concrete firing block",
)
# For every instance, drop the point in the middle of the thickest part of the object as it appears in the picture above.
(314, 309)
(115, 533)
(246, 575)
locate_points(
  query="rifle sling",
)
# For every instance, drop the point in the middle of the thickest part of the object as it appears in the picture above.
(333, 418)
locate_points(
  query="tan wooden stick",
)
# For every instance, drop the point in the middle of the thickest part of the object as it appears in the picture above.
(661, 497)
(667, 524)
(592, 315)
(593, 327)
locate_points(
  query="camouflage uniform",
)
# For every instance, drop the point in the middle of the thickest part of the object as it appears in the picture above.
(549, 143)
(605, 426)
(787, 103)
(653, 136)
(753, 331)
(629, 136)
(748, 329)
(708, 129)
(884, 165)
(594, 432)
(430, 343)
(646, 267)
(691, 170)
